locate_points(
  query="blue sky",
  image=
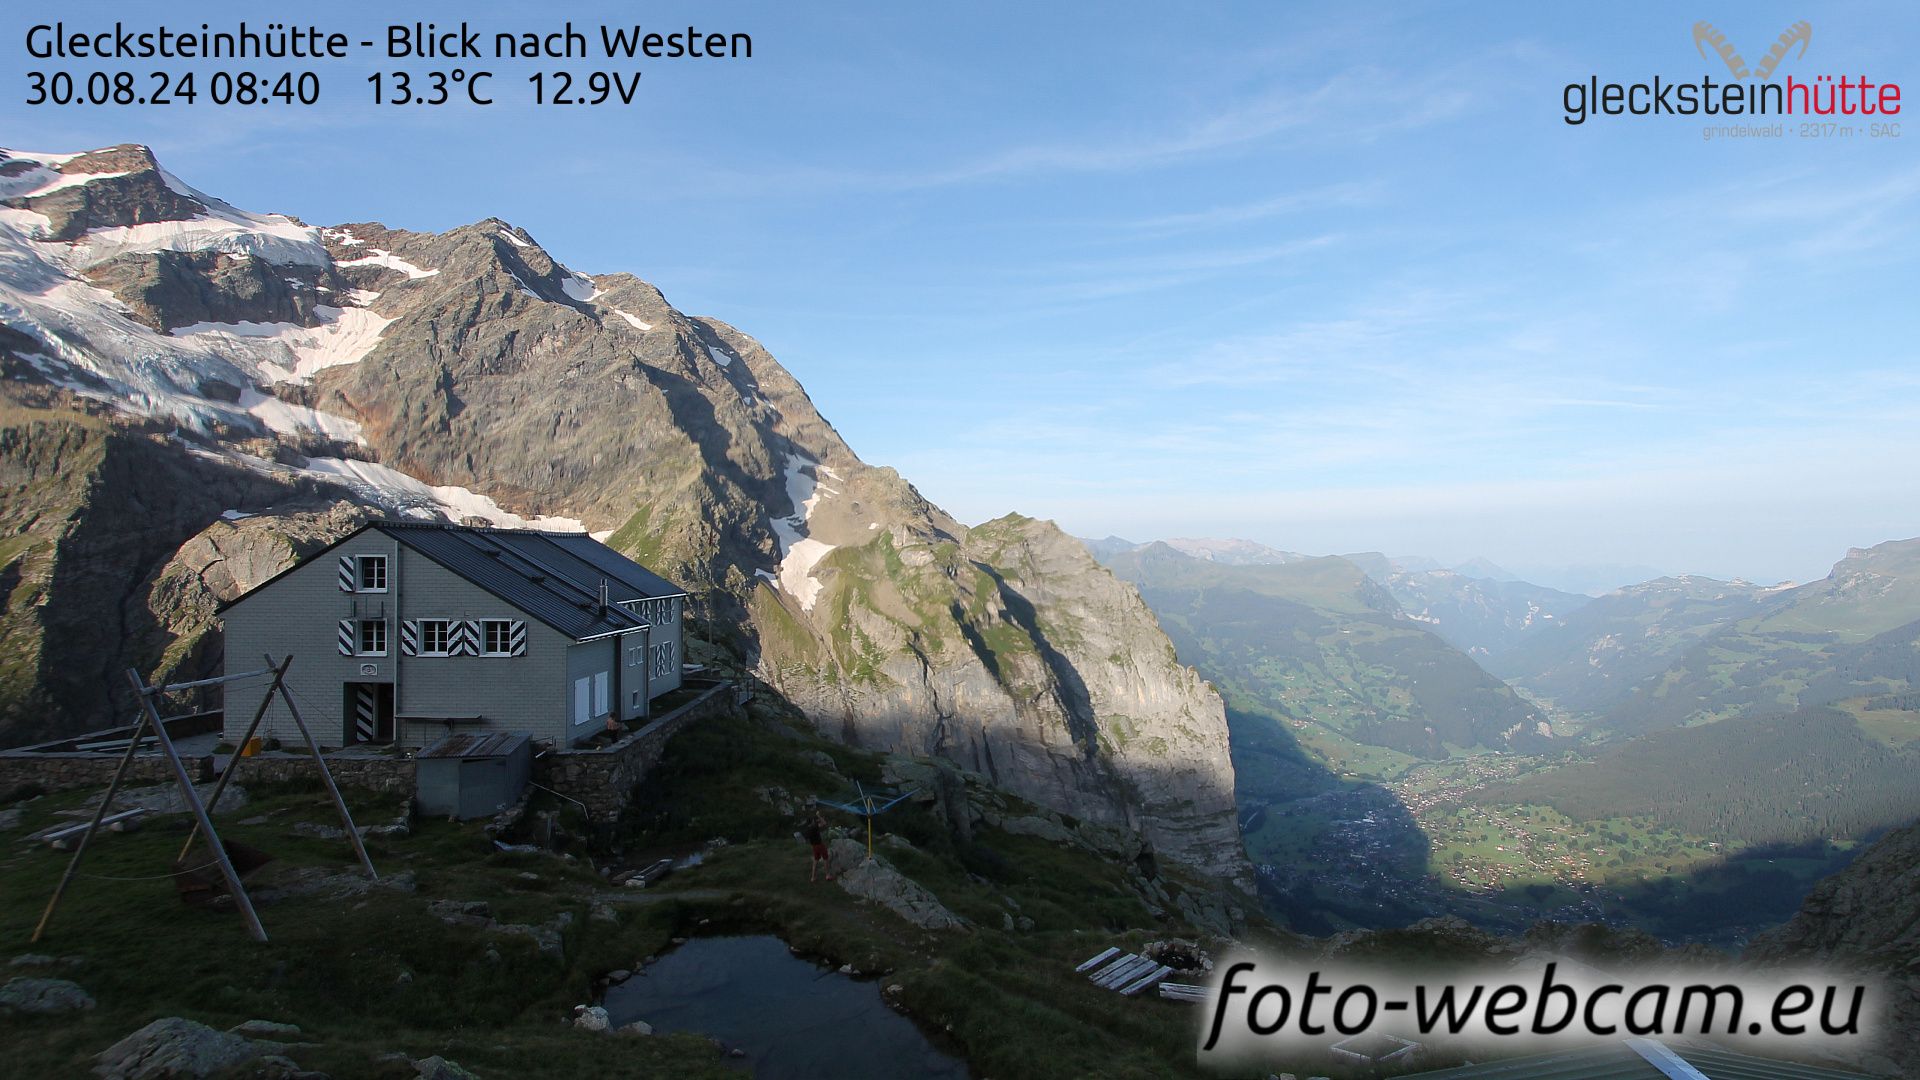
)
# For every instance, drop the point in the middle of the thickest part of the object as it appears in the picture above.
(1332, 278)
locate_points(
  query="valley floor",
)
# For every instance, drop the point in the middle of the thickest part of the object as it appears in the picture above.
(1430, 842)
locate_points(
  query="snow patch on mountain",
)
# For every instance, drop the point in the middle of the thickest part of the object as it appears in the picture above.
(387, 260)
(394, 488)
(580, 287)
(288, 352)
(634, 320)
(40, 181)
(800, 553)
(282, 242)
(286, 418)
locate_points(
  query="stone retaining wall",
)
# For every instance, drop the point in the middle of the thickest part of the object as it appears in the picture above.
(386, 775)
(64, 772)
(603, 780)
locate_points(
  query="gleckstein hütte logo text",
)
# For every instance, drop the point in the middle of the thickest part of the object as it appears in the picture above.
(1749, 92)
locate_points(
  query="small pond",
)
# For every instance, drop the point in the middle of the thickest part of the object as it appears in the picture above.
(795, 1019)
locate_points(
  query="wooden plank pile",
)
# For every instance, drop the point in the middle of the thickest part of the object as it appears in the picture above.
(1186, 992)
(1125, 975)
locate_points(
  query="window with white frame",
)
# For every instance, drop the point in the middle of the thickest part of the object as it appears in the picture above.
(602, 702)
(496, 637)
(637, 699)
(666, 659)
(373, 637)
(436, 637)
(372, 576)
(636, 650)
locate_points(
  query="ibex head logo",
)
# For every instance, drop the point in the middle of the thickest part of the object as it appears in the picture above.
(1704, 35)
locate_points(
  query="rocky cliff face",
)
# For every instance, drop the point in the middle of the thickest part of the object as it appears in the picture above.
(470, 376)
(1866, 917)
(1007, 650)
(95, 513)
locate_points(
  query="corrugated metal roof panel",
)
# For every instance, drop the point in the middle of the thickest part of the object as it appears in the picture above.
(496, 744)
(508, 565)
(1725, 1065)
(639, 581)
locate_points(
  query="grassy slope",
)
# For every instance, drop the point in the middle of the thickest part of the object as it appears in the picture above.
(1008, 999)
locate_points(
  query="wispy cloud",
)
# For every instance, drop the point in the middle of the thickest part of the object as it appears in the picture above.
(1327, 197)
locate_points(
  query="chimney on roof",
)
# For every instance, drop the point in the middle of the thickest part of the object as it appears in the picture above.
(603, 594)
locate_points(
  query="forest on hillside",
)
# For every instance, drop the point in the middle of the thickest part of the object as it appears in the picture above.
(1790, 778)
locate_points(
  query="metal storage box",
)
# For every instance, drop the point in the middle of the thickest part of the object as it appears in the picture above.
(470, 776)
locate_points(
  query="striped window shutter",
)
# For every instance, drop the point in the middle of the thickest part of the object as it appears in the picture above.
(347, 641)
(517, 638)
(463, 638)
(409, 637)
(347, 576)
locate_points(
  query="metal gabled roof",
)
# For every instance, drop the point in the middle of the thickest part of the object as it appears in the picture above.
(525, 570)
(639, 582)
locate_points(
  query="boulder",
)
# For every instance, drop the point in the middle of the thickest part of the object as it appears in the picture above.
(637, 1027)
(872, 879)
(172, 1048)
(37, 960)
(266, 1029)
(461, 912)
(45, 997)
(546, 936)
(1037, 826)
(439, 1068)
(591, 1018)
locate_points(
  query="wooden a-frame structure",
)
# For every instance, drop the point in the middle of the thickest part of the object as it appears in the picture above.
(149, 717)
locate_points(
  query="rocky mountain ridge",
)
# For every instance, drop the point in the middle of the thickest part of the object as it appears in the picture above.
(1866, 920)
(468, 375)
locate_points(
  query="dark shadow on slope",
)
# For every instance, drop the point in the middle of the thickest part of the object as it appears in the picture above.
(981, 650)
(1075, 700)
(1329, 853)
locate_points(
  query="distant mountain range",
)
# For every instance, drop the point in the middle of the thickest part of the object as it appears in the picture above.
(1476, 607)
(1680, 651)
(1317, 641)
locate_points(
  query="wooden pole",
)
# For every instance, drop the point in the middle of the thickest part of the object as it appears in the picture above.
(80, 849)
(239, 891)
(234, 765)
(340, 804)
(172, 688)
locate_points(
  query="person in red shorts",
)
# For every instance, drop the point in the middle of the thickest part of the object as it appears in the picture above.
(816, 834)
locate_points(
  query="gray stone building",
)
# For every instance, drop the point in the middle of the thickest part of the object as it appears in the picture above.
(403, 632)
